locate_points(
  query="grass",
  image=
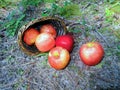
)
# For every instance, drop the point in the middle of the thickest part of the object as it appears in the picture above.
(66, 9)
(27, 3)
(111, 13)
(8, 3)
(13, 22)
(25, 66)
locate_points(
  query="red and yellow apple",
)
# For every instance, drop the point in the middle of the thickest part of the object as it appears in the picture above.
(91, 53)
(30, 36)
(44, 42)
(65, 41)
(58, 58)
(48, 28)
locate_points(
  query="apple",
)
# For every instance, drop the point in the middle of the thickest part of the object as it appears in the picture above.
(65, 41)
(30, 36)
(44, 42)
(48, 28)
(58, 58)
(91, 53)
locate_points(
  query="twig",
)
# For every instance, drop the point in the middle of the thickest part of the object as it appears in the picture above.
(3, 29)
(87, 5)
(71, 78)
(102, 37)
(57, 84)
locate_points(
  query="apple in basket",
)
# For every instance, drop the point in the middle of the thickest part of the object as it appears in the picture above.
(44, 42)
(48, 28)
(30, 36)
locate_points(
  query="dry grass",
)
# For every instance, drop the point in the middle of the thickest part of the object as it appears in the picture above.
(21, 72)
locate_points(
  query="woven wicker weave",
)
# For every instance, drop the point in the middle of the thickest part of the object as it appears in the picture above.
(37, 23)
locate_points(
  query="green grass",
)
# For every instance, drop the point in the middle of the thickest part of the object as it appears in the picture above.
(12, 23)
(66, 9)
(111, 10)
(26, 3)
(6, 3)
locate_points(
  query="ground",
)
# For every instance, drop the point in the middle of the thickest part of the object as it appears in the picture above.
(19, 71)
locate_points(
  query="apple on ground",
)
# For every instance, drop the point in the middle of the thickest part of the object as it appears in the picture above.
(58, 58)
(30, 36)
(44, 42)
(65, 41)
(48, 28)
(91, 53)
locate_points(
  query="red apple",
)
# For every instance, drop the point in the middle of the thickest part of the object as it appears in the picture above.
(65, 41)
(58, 58)
(44, 42)
(48, 28)
(30, 36)
(91, 53)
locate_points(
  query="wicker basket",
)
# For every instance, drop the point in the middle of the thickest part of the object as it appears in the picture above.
(55, 21)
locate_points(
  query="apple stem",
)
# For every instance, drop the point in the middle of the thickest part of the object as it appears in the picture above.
(56, 54)
(90, 44)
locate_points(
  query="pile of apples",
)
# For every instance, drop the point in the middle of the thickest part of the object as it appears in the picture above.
(60, 47)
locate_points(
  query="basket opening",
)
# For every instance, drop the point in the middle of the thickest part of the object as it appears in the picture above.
(59, 27)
